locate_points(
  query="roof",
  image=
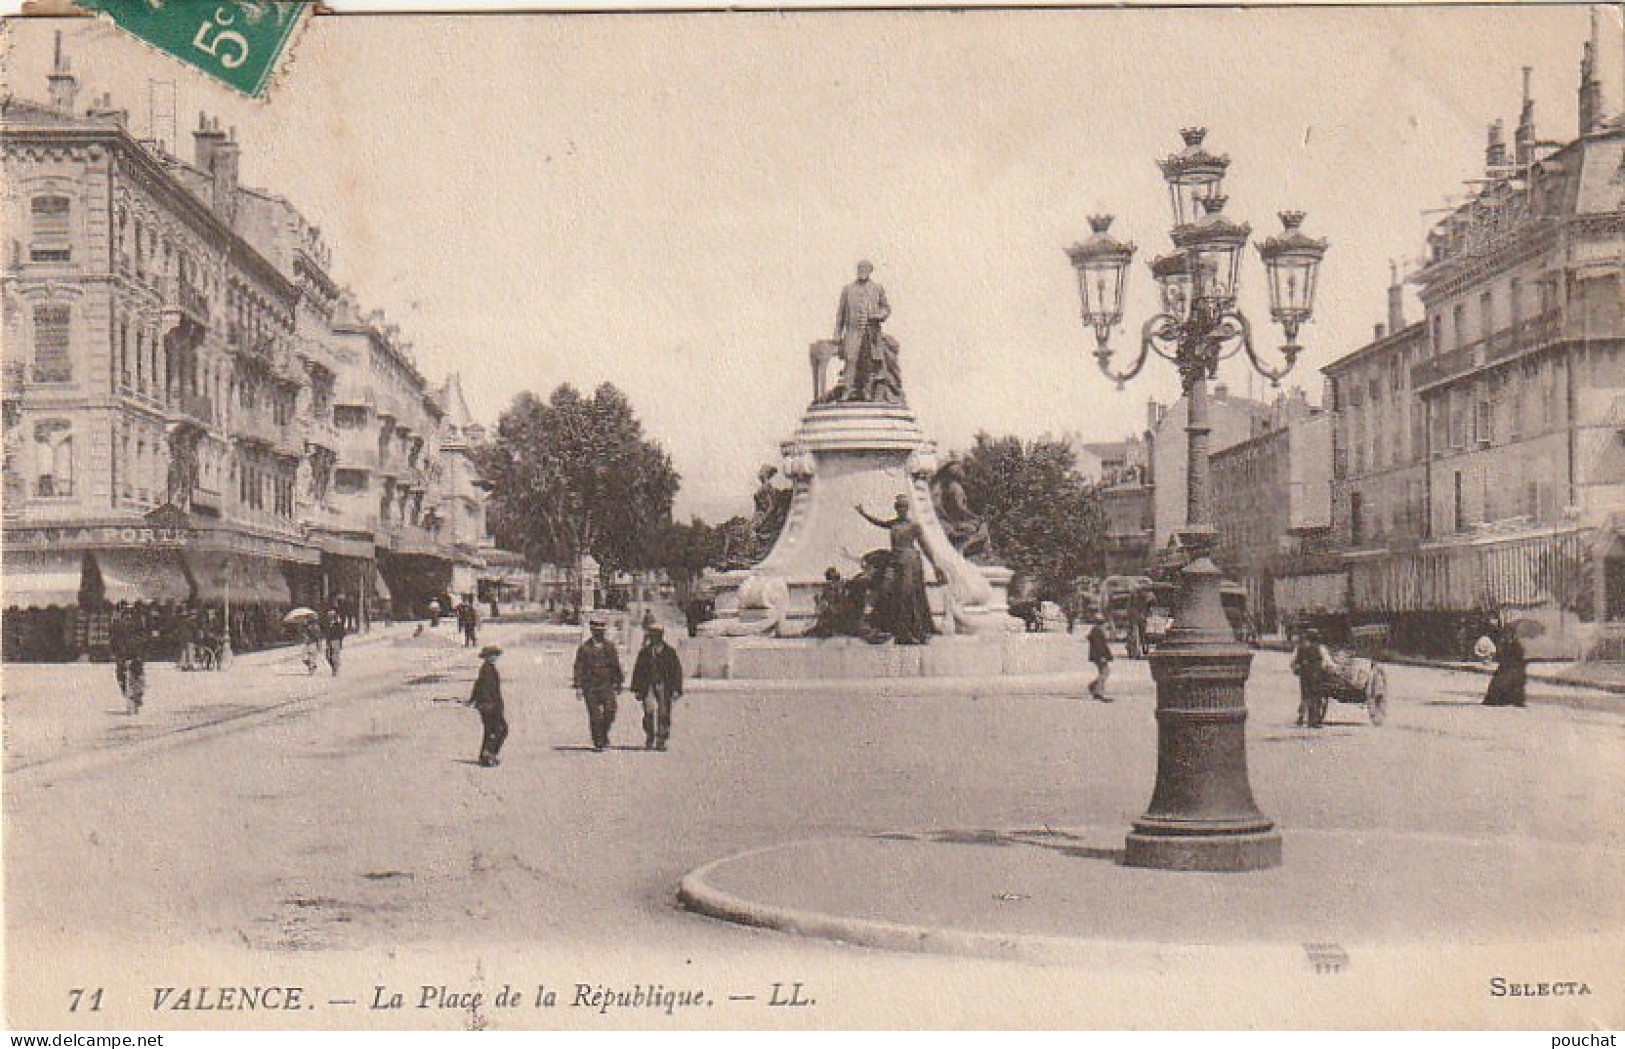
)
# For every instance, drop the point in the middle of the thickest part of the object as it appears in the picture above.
(1376, 347)
(451, 401)
(22, 119)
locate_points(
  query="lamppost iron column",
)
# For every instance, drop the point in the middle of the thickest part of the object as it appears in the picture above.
(1202, 815)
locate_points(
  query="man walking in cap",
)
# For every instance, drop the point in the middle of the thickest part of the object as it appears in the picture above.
(657, 681)
(1100, 654)
(487, 699)
(596, 679)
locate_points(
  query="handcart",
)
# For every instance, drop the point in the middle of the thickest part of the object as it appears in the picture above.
(1353, 678)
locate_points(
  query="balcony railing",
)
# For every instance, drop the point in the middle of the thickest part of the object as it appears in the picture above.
(1535, 332)
(324, 434)
(1446, 366)
(207, 499)
(192, 407)
(187, 298)
(263, 429)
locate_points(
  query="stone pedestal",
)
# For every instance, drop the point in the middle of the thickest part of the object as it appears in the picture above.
(844, 454)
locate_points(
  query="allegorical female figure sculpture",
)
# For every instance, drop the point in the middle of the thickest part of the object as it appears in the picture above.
(907, 613)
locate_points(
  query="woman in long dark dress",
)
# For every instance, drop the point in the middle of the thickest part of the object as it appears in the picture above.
(910, 613)
(1511, 673)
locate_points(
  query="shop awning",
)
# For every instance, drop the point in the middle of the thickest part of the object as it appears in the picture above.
(244, 580)
(1520, 571)
(149, 575)
(42, 578)
(1325, 592)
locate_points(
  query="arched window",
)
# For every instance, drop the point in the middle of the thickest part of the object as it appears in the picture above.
(52, 357)
(52, 240)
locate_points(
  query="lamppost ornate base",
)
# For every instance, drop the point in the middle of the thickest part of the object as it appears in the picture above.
(1202, 815)
(1214, 853)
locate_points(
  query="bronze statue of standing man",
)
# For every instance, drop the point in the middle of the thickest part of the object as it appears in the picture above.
(857, 329)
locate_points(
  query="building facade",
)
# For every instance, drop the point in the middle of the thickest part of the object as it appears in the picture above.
(175, 357)
(1479, 454)
(1232, 420)
(1272, 502)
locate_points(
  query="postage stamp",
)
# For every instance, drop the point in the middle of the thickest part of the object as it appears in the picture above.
(238, 42)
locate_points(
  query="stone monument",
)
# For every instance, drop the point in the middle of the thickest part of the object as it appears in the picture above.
(859, 445)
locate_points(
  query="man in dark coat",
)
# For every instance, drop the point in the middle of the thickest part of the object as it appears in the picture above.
(487, 699)
(1309, 662)
(333, 632)
(128, 640)
(657, 681)
(596, 678)
(1100, 654)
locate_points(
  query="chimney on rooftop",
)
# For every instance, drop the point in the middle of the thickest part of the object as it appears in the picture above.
(217, 155)
(64, 86)
(1495, 150)
(1523, 140)
(1396, 299)
(1590, 84)
(105, 110)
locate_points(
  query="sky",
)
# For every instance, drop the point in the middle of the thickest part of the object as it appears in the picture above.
(673, 202)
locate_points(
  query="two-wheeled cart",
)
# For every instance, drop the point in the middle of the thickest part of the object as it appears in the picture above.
(1353, 678)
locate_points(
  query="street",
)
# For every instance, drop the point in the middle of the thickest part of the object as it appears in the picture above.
(341, 828)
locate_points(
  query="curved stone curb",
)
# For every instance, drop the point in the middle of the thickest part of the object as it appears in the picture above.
(698, 892)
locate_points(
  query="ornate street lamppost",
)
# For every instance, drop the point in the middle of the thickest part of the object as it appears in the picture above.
(1202, 815)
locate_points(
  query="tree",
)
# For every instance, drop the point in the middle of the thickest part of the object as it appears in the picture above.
(738, 543)
(685, 551)
(575, 475)
(1043, 518)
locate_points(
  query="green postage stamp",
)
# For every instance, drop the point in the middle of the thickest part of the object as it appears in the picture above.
(238, 42)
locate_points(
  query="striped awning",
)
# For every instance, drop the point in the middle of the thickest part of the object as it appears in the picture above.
(221, 576)
(42, 578)
(150, 575)
(1512, 572)
(1321, 593)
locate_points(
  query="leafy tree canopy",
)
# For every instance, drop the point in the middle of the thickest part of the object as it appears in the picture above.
(1043, 518)
(575, 475)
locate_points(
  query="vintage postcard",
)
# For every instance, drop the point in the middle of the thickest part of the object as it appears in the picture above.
(993, 518)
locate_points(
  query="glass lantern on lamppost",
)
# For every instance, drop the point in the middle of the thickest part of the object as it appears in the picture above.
(1292, 260)
(1202, 814)
(1102, 263)
(1193, 175)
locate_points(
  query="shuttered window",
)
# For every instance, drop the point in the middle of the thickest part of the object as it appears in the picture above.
(52, 357)
(51, 240)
